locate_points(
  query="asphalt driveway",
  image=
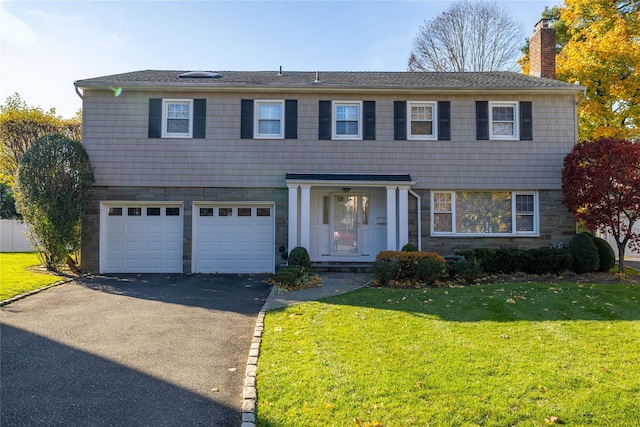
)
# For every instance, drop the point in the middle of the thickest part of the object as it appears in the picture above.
(134, 350)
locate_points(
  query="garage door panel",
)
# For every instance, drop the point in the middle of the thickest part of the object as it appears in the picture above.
(142, 240)
(233, 239)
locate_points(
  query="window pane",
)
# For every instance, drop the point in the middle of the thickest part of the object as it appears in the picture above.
(225, 211)
(347, 112)
(421, 128)
(269, 127)
(172, 212)
(264, 212)
(153, 211)
(502, 128)
(442, 222)
(206, 211)
(244, 211)
(479, 212)
(524, 223)
(524, 203)
(177, 126)
(422, 113)
(115, 211)
(503, 114)
(346, 128)
(503, 120)
(442, 202)
(134, 211)
(270, 111)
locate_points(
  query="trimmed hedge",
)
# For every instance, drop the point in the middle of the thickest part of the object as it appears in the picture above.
(424, 267)
(508, 260)
(300, 256)
(585, 253)
(607, 256)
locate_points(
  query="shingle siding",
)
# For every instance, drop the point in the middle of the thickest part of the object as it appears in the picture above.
(116, 138)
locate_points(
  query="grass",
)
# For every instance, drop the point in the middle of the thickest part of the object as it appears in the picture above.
(521, 354)
(16, 277)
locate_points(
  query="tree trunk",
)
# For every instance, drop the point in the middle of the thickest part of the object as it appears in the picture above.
(621, 249)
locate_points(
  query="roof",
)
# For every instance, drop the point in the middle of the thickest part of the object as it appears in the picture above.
(328, 80)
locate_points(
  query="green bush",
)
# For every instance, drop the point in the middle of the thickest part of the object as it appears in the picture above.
(429, 270)
(291, 277)
(585, 253)
(607, 256)
(509, 261)
(548, 261)
(407, 265)
(384, 271)
(484, 257)
(410, 247)
(467, 269)
(299, 256)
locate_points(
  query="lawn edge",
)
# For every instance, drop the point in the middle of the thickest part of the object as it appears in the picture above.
(36, 291)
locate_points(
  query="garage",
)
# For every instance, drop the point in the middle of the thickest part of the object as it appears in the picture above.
(141, 238)
(233, 238)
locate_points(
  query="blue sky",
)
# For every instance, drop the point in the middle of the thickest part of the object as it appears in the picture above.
(47, 45)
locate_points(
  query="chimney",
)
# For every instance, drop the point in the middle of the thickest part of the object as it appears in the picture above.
(542, 51)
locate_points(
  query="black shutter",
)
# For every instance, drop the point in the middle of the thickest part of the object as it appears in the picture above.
(324, 121)
(526, 121)
(399, 120)
(155, 118)
(199, 117)
(444, 120)
(291, 119)
(246, 119)
(369, 119)
(482, 120)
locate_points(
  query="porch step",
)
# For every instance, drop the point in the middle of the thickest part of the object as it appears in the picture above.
(341, 267)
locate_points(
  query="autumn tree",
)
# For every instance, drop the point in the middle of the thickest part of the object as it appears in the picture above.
(469, 36)
(54, 178)
(601, 187)
(598, 48)
(21, 125)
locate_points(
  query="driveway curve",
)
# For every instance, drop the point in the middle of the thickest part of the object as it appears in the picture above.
(135, 350)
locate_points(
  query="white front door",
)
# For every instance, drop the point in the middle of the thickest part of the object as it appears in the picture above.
(350, 232)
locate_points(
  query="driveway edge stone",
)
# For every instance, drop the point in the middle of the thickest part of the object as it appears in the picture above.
(249, 391)
(27, 294)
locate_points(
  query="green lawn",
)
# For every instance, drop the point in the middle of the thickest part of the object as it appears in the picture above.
(16, 278)
(522, 354)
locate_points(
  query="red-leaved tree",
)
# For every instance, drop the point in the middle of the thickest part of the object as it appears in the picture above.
(601, 187)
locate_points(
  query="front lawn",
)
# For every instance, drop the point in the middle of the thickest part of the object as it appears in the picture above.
(17, 275)
(518, 354)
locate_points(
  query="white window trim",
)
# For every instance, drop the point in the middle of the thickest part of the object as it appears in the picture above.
(516, 120)
(335, 104)
(434, 120)
(165, 107)
(256, 119)
(514, 232)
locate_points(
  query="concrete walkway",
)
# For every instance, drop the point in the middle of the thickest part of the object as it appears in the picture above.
(332, 284)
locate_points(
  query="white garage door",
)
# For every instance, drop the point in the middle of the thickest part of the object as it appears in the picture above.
(233, 238)
(141, 239)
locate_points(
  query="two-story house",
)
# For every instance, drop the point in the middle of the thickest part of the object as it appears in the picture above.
(227, 171)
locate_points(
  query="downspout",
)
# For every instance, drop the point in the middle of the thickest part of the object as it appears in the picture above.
(78, 92)
(578, 102)
(419, 217)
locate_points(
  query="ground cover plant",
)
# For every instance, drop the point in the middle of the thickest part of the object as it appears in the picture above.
(18, 274)
(506, 354)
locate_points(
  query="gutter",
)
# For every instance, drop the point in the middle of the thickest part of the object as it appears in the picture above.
(78, 92)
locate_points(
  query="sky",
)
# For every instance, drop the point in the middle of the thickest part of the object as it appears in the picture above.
(47, 45)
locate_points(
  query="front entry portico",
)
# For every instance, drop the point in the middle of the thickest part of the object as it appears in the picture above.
(348, 217)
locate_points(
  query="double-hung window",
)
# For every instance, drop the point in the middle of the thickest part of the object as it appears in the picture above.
(503, 118)
(177, 118)
(269, 119)
(484, 213)
(422, 123)
(347, 123)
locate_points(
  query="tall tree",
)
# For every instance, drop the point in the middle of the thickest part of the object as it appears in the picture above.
(601, 187)
(54, 178)
(599, 48)
(469, 36)
(21, 125)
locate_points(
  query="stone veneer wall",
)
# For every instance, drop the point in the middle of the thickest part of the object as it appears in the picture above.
(90, 252)
(557, 226)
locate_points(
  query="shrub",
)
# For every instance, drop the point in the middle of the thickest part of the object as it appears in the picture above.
(605, 254)
(485, 257)
(548, 261)
(410, 247)
(468, 269)
(407, 264)
(585, 253)
(384, 271)
(429, 270)
(291, 277)
(510, 260)
(299, 256)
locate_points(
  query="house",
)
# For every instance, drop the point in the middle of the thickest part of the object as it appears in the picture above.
(227, 171)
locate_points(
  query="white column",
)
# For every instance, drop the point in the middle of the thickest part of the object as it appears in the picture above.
(403, 217)
(293, 217)
(391, 219)
(305, 216)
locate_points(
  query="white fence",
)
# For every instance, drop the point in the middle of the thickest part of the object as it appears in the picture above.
(13, 236)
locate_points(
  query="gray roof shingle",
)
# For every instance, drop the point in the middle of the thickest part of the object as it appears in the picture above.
(500, 80)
